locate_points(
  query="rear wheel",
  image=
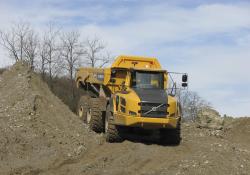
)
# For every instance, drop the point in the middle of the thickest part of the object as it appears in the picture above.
(112, 132)
(82, 108)
(171, 136)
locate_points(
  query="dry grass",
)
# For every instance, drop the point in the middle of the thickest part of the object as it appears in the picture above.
(61, 87)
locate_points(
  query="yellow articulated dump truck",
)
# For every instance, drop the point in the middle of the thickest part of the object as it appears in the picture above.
(131, 94)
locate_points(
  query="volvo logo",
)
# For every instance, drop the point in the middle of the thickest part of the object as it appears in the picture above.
(154, 109)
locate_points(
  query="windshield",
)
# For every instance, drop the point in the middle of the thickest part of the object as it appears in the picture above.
(147, 80)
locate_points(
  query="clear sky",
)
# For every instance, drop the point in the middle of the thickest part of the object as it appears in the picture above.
(208, 39)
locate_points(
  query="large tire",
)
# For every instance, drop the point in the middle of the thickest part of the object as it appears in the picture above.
(96, 120)
(82, 108)
(112, 131)
(171, 136)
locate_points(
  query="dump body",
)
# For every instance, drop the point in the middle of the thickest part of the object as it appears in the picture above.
(135, 90)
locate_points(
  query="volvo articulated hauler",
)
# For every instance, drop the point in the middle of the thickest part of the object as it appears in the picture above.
(132, 93)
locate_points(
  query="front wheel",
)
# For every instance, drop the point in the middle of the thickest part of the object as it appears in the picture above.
(171, 136)
(94, 116)
(112, 132)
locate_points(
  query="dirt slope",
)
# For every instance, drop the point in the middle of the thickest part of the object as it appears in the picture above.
(39, 135)
(38, 132)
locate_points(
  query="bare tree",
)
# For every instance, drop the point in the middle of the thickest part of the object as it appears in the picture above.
(9, 42)
(94, 53)
(71, 52)
(13, 40)
(21, 30)
(42, 57)
(51, 55)
(31, 47)
(106, 59)
(191, 104)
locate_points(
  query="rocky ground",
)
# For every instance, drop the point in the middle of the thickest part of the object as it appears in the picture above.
(40, 135)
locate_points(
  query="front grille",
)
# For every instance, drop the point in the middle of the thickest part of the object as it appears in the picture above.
(147, 110)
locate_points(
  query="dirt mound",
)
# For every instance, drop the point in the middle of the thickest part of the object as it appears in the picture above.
(201, 152)
(38, 132)
(39, 135)
(238, 131)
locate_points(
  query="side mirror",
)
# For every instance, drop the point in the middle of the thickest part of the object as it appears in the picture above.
(184, 84)
(184, 78)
